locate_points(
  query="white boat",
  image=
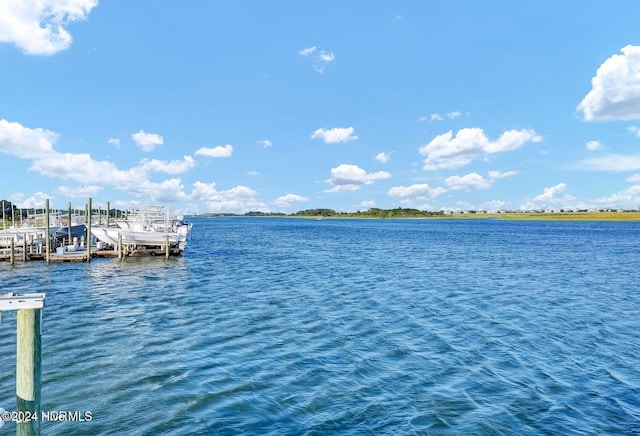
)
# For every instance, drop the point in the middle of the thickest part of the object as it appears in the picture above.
(31, 229)
(19, 234)
(149, 227)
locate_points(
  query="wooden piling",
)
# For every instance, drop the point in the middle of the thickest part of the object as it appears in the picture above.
(166, 247)
(69, 223)
(89, 231)
(28, 370)
(12, 252)
(47, 233)
(25, 257)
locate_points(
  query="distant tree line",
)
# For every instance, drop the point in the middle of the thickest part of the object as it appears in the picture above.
(327, 213)
(374, 212)
(9, 210)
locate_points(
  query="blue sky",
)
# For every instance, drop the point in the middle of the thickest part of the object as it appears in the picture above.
(287, 105)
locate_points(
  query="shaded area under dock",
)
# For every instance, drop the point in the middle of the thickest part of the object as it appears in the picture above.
(82, 256)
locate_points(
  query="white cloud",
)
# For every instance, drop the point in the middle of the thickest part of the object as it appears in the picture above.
(612, 162)
(343, 188)
(321, 58)
(382, 157)
(307, 51)
(240, 199)
(494, 205)
(134, 181)
(552, 198)
(626, 199)
(38, 27)
(552, 192)
(495, 175)
(437, 117)
(447, 151)
(615, 89)
(216, 152)
(37, 200)
(24, 142)
(85, 169)
(322, 61)
(367, 204)
(37, 146)
(635, 130)
(147, 141)
(346, 177)
(114, 141)
(635, 178)
(422, 191)
(286, 200)
(172, 167)
(79, 191)
(166, 191)
(127, 204)
(468, 182)
(253, 173)
(593, 145)
(335, 135)
(265, 143)
(475, 181)
(326, 57)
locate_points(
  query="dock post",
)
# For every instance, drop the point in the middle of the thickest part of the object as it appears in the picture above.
(120, 248)
(24, 248)
(28, 358)
(69, 223)
(47, 233)
(28, 369)
(167, 250)
(108, 212)
(12, 252)
(89, 232)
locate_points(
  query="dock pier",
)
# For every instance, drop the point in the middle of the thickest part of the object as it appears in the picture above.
(28, 243)
(7, 255)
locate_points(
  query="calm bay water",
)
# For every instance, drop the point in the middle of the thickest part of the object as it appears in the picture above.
(292, 326)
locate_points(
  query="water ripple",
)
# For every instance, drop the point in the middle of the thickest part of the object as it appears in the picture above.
(284, 326)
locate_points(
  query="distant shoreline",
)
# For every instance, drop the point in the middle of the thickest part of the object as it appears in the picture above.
(555, 216)
(507, 216)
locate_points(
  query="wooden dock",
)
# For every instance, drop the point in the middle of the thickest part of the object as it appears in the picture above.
(81, 256)
(16, 247)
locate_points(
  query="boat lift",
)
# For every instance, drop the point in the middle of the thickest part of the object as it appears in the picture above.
(28, 357)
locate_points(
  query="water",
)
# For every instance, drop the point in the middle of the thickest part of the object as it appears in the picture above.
(292, 326)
